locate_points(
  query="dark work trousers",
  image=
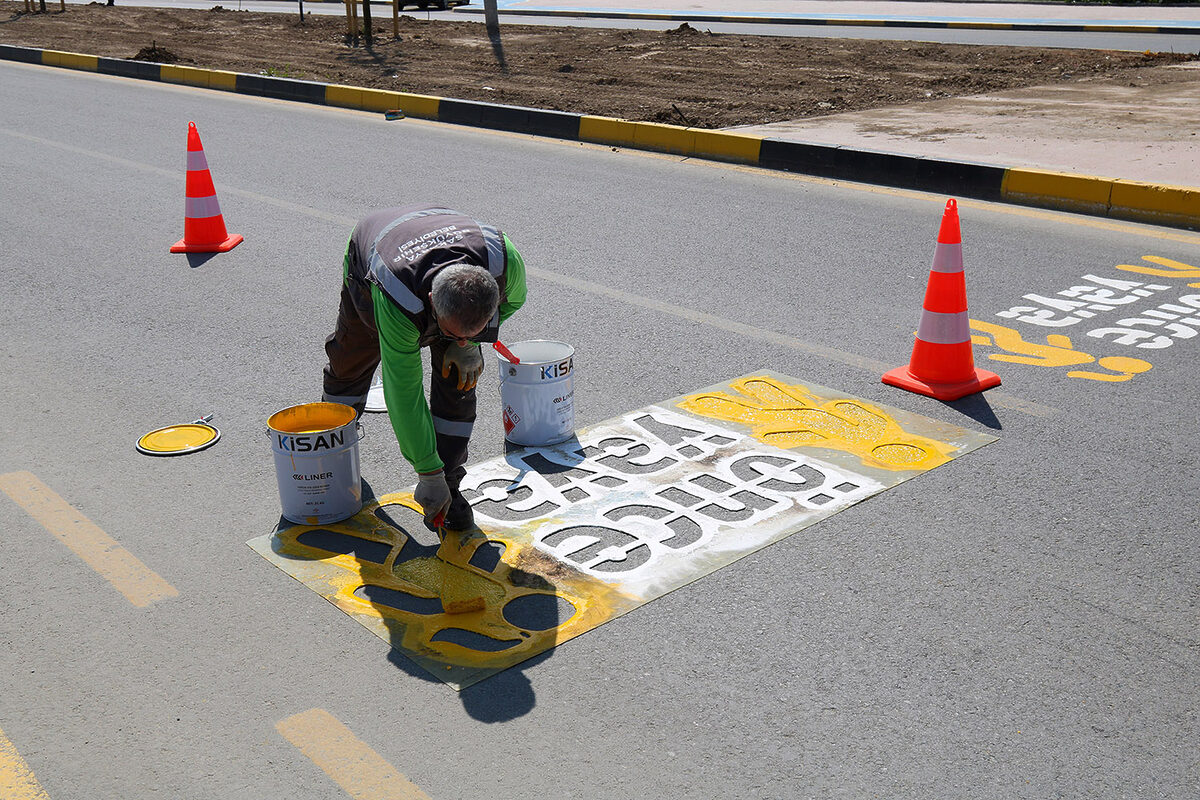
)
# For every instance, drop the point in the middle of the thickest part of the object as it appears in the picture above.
(353, 351)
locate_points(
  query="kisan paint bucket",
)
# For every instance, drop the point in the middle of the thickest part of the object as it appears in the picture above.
(316, 462)
(537, 396)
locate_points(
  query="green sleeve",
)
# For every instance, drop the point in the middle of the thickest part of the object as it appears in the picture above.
(514, 283)
(403, 384)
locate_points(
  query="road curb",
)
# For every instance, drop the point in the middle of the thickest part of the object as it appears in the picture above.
(1157, 204)
(957, 23)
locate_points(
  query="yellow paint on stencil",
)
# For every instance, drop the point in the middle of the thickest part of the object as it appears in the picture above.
(791, 416)
(140, 585)
(17, 781)
(448, 579)
(352, 764)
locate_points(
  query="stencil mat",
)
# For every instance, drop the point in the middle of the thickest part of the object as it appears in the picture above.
(573, 535)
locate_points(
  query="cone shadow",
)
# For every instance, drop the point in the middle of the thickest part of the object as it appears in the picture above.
(199, 259)
(977, 408)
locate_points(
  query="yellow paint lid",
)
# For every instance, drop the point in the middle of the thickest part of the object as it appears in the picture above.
(176, 440)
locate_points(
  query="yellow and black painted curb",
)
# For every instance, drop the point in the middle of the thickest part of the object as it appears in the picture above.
(1053, 26)
(1107, 197)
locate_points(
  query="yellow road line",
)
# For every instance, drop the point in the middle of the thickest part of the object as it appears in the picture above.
(354, 766)
(17, 781)
(140, 585)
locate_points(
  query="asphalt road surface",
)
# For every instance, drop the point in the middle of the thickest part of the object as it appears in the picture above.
(1020, 622)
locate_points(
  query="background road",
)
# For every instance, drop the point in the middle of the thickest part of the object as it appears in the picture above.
(568, 13)
(1018, 623)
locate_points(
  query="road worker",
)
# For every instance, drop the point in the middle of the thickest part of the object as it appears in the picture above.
(423, 276)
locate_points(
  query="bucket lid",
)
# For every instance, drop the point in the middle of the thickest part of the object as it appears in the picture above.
(176, 440)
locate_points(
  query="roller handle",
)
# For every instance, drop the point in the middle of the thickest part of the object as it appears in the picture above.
(505, 352)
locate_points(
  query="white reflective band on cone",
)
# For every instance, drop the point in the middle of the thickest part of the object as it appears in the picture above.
(939, 328)
(196, 161)
(199, 207)
(947, 258)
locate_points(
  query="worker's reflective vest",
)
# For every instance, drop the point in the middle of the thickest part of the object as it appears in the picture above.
(403, 249)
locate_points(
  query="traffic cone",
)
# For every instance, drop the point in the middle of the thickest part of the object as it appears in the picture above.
(203, 226)
(942, 364)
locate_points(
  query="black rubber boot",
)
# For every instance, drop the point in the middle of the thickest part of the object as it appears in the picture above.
(459, 517)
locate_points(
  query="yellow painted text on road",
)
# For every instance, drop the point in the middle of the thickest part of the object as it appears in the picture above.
(140, 585)
(17, 781)
(360, 771)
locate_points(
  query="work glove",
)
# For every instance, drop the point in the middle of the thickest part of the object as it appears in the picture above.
(469, 362)
(433, 495)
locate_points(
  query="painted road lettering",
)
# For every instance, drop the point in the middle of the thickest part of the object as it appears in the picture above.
(594, 527)
(1156, 328)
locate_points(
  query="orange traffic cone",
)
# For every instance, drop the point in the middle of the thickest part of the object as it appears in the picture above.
(203, 226)
(942, 364)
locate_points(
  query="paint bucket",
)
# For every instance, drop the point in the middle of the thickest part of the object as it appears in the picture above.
(537, 396)
(316, 462)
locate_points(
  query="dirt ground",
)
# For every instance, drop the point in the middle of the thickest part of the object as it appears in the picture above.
(685, 76)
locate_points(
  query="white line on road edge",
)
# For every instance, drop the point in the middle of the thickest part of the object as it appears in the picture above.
(764, 335)
(761, 334)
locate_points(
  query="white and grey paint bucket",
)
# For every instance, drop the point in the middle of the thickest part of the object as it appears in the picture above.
(537, 396)
(316, 462)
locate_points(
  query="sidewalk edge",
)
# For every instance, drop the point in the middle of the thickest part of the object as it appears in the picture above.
(1172, 206)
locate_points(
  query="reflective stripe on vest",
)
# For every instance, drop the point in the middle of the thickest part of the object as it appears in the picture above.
(401, 294)
(387, 280)
(495, 250)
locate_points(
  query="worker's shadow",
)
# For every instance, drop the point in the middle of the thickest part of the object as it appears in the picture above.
(531, 616)
(506, 614)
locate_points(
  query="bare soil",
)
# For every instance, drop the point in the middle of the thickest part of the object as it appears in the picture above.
(685, 76)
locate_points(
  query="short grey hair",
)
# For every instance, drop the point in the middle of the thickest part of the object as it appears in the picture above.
(465, 293)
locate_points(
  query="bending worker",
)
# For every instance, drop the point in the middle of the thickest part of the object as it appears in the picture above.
(423, 276)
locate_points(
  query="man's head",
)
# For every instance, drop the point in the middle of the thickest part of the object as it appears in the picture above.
(464, 299)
